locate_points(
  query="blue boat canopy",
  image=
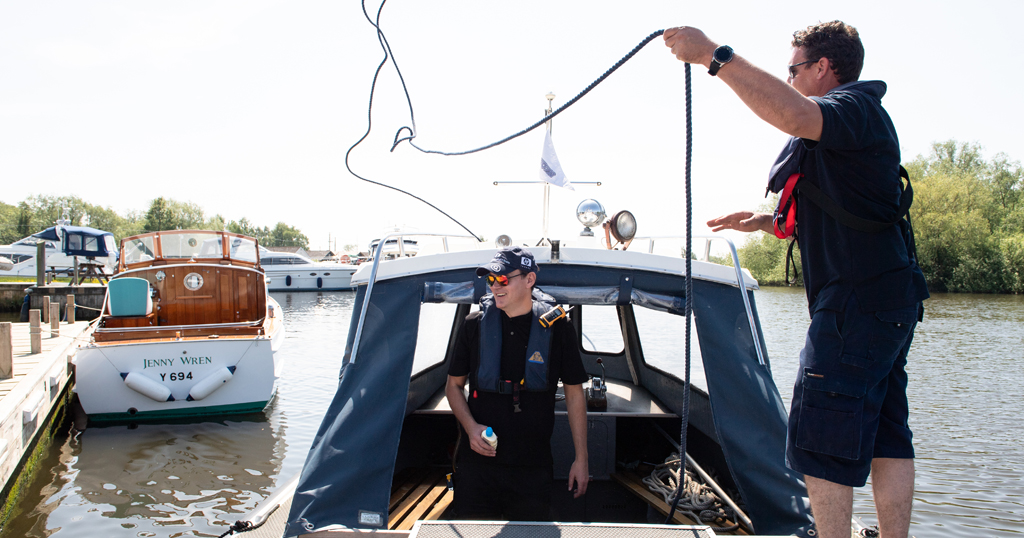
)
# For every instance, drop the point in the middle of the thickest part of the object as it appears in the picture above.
(349, 469)
(80, 240)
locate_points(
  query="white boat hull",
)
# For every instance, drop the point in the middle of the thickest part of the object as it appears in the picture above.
(129, 381)
(316, 277)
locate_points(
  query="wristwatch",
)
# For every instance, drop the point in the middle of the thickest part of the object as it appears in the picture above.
(722, 56)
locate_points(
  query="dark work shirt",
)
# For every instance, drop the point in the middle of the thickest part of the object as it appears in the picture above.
(524, 438)
(856, 163)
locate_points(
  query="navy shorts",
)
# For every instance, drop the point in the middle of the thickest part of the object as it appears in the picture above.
(850, 400)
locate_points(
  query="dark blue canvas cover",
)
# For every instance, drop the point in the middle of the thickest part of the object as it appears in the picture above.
(346, 480)
(78, 240)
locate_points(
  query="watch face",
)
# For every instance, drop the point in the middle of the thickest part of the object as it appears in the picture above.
(723, 54)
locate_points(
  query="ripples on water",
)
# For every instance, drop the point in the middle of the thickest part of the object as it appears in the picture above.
(195, 479)
(966, 392)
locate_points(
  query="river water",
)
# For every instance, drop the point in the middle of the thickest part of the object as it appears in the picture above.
(171, 480)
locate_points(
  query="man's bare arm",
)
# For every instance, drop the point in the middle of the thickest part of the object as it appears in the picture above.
(743, 221)
(772, 99)
(576, 405)
(453, 390)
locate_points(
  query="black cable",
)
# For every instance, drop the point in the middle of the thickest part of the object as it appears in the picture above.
(369, 114)
(689, 302)
(543, 120)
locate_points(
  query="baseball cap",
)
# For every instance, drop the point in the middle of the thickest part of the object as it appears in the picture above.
(509, 259)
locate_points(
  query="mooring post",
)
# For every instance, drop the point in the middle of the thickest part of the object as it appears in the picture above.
(35, 331)
(71, 309)
(46, 308)
(54, 319)
(6, 350)
(40, 264)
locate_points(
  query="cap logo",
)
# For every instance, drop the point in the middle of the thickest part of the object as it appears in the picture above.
(495, 267)
(526, 263)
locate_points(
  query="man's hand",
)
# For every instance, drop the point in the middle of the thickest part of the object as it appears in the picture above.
(579, 475)
(457, 401)
(690, 45)
(743, 221)
(477, 443)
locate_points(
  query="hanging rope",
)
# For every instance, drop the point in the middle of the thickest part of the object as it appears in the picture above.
(412, 131)
(689, 279)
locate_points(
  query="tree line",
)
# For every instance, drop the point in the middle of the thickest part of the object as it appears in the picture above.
(37, 213)
(968, 220)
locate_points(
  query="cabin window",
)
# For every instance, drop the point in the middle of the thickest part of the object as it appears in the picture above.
(663, 340)
(436, 320)
(138, 250)
(601, 332)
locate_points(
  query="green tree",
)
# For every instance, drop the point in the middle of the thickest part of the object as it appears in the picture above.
(167, 214)
(287, 236)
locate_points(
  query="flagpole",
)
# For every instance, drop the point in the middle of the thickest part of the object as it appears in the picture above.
(547, 186)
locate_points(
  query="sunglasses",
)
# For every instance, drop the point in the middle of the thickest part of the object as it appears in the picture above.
(792, 69)
(501, 279)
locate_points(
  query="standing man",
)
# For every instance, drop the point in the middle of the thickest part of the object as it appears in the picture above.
(849, 410)
(513, 365)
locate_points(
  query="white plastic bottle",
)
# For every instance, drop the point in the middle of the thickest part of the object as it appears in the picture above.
(490, 437)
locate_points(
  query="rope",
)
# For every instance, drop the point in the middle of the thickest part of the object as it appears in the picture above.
(369, 115)
(399, 138)
(545, 119)
(689, 280)
(691, 497)
(241, 526)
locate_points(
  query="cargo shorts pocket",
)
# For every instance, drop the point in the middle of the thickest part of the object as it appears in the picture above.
(831, 414)
(889, 331)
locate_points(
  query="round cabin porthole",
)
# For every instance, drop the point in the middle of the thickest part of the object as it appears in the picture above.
(160, 276)
(193, 281)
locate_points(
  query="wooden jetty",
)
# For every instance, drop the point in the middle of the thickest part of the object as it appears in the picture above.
(34, 375)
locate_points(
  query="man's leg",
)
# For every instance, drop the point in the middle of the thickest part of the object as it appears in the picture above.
(832, 505)
(892, 481)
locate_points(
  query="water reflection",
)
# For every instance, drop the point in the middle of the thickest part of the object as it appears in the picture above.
(196, 477)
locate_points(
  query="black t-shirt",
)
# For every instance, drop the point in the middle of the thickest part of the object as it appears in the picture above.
(524, 438)
(856, 163)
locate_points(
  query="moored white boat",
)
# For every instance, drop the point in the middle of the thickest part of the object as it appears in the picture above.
(188, 329)
(289, 271)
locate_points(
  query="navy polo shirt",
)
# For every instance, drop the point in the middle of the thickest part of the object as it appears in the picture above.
(856, 163)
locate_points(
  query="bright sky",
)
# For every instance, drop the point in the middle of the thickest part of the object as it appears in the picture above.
(248, 107)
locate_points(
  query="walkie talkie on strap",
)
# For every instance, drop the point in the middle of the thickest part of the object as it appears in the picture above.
(552, 316)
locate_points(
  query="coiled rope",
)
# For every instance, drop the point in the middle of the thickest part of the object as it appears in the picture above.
(694, 499)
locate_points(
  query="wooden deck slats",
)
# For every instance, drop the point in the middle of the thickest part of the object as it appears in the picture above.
(420, 494)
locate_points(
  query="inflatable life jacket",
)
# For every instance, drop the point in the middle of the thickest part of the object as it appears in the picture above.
(784, 223)
(488, 375)
(784, 219)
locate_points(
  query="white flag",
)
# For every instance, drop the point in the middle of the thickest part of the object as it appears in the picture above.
(550, 169)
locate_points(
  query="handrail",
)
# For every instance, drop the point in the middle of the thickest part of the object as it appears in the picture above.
(739, 279)
(373, 278)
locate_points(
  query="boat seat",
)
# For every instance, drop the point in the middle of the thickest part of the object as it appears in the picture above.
(129, 296)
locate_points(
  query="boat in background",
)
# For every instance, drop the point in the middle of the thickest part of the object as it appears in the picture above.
(187, 329)
(96, 246)
(291, 271)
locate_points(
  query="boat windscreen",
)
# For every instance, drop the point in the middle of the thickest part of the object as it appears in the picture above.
(139, 249)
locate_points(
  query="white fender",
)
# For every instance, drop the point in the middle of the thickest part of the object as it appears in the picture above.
(147, 387)
(210, 383)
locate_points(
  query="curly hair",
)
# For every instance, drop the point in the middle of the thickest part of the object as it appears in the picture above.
(837, 41)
